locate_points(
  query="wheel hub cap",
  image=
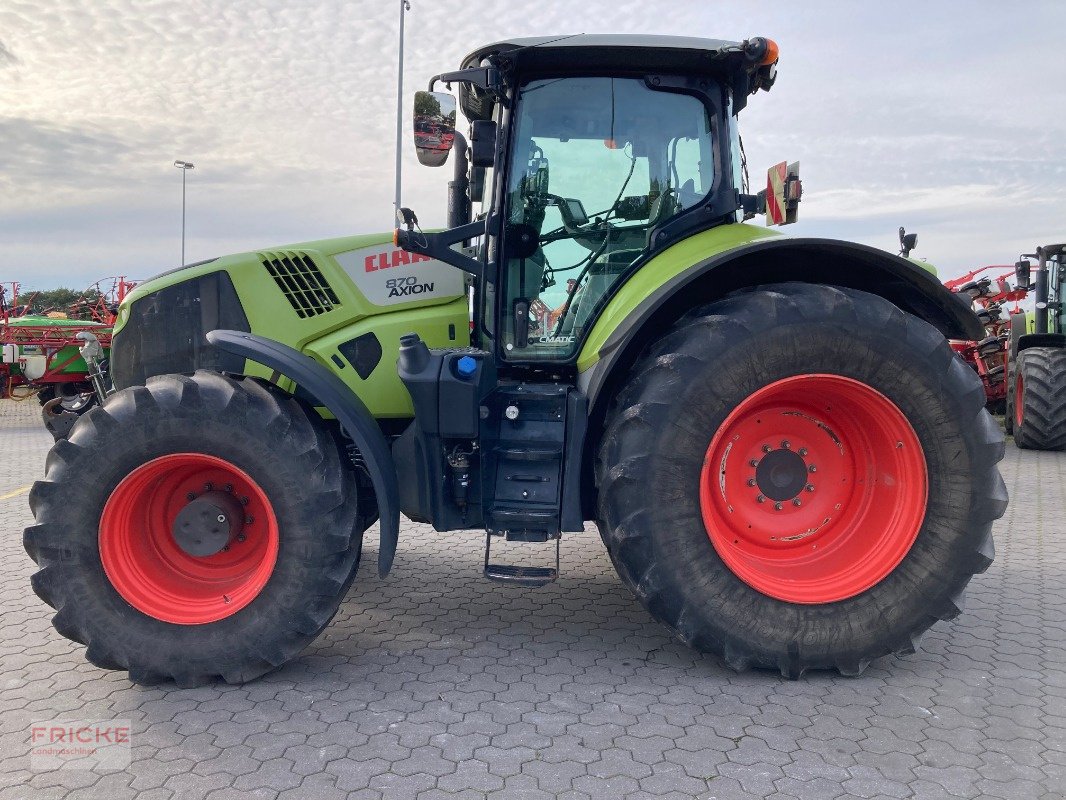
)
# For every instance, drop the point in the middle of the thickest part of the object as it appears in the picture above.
(781, 475)
(208, 524)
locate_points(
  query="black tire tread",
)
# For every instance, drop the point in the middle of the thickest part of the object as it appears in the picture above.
(645, 405)
(1043, 371)
(71, 579)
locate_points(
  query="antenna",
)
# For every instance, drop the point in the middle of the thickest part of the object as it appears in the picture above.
(404, 6)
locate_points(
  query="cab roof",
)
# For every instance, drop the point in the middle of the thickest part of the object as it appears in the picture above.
(602, 52)
(578, 48)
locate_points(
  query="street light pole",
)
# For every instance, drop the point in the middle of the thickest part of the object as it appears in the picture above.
(405, 6)
(184, 166)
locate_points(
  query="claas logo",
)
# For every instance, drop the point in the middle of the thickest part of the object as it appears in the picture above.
(392, 258)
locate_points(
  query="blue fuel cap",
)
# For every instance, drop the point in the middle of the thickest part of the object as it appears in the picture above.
(466, 366)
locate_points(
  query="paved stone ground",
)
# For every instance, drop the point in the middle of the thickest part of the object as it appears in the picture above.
(435, 683)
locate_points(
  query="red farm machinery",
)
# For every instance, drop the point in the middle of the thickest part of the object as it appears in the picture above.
(995, 300)
(56, 355)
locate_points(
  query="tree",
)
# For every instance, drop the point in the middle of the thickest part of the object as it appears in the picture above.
(426, 105)
(60, 299)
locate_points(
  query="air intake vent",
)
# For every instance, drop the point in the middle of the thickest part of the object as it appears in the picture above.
(302, 283)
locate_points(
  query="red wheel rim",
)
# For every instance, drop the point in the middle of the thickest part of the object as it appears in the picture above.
(1019, 394)
(814, 488)
(158, 577)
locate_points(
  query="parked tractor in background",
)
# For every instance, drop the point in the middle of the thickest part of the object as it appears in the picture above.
(786, 462)
(1036, 354)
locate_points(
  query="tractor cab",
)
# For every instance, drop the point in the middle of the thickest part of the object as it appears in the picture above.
(583, 167)
(588, 156)
(1051, 279)
(1046, 284)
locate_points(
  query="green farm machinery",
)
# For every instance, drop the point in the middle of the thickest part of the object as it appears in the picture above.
(59, 357)
(787, 464)
(1036, 355)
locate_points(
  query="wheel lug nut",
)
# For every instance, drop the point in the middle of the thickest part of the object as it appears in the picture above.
(208, 487)
(785, 444)
(766, 448)
(751, 481)
(803, 451)
(777, 506)
(809, 487)
(244, 501)
(190, 496)
(249, 520)
(760, 499)
(753, 463)
(228, 487)
(797, 502)
(241, 537)
(812, 468)
(225, 548)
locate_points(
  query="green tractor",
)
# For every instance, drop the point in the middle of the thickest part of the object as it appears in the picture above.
(1036, 358)
(786, 463)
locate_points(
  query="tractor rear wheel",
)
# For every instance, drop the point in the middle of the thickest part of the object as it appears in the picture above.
(800, 477)
(1038, 398)
(199, 527)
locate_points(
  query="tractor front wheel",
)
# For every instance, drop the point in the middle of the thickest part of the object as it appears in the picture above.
(199, 527)
(800, 477)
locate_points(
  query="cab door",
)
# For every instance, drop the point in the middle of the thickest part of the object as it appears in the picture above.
(597, 164)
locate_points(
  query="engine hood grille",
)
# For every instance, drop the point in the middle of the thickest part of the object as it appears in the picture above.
(301, 281)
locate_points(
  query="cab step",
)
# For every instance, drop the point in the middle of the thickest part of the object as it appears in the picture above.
(520, 576)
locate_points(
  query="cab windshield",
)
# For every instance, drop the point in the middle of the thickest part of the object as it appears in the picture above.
(598, 164)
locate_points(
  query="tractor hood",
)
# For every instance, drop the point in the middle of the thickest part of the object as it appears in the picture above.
(326, 247)
(746, 66)
(317, 297)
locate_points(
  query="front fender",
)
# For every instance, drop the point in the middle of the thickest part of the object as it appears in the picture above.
(1028, 340)
(330, 391)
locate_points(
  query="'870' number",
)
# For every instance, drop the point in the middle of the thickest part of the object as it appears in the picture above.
(403, 287)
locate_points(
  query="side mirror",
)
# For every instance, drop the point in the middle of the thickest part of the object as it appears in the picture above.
(1022, 271)
(783, 193)
(434, 123)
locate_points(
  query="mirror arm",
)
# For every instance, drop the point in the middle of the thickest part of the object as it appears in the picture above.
(459, 185)
(439, 245)
(487, 78)
(752, 204)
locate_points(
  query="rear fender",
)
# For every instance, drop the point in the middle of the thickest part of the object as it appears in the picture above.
(328, 390)
(776, 260)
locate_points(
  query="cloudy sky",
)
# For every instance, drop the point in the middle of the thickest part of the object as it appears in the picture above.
(945, 117)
